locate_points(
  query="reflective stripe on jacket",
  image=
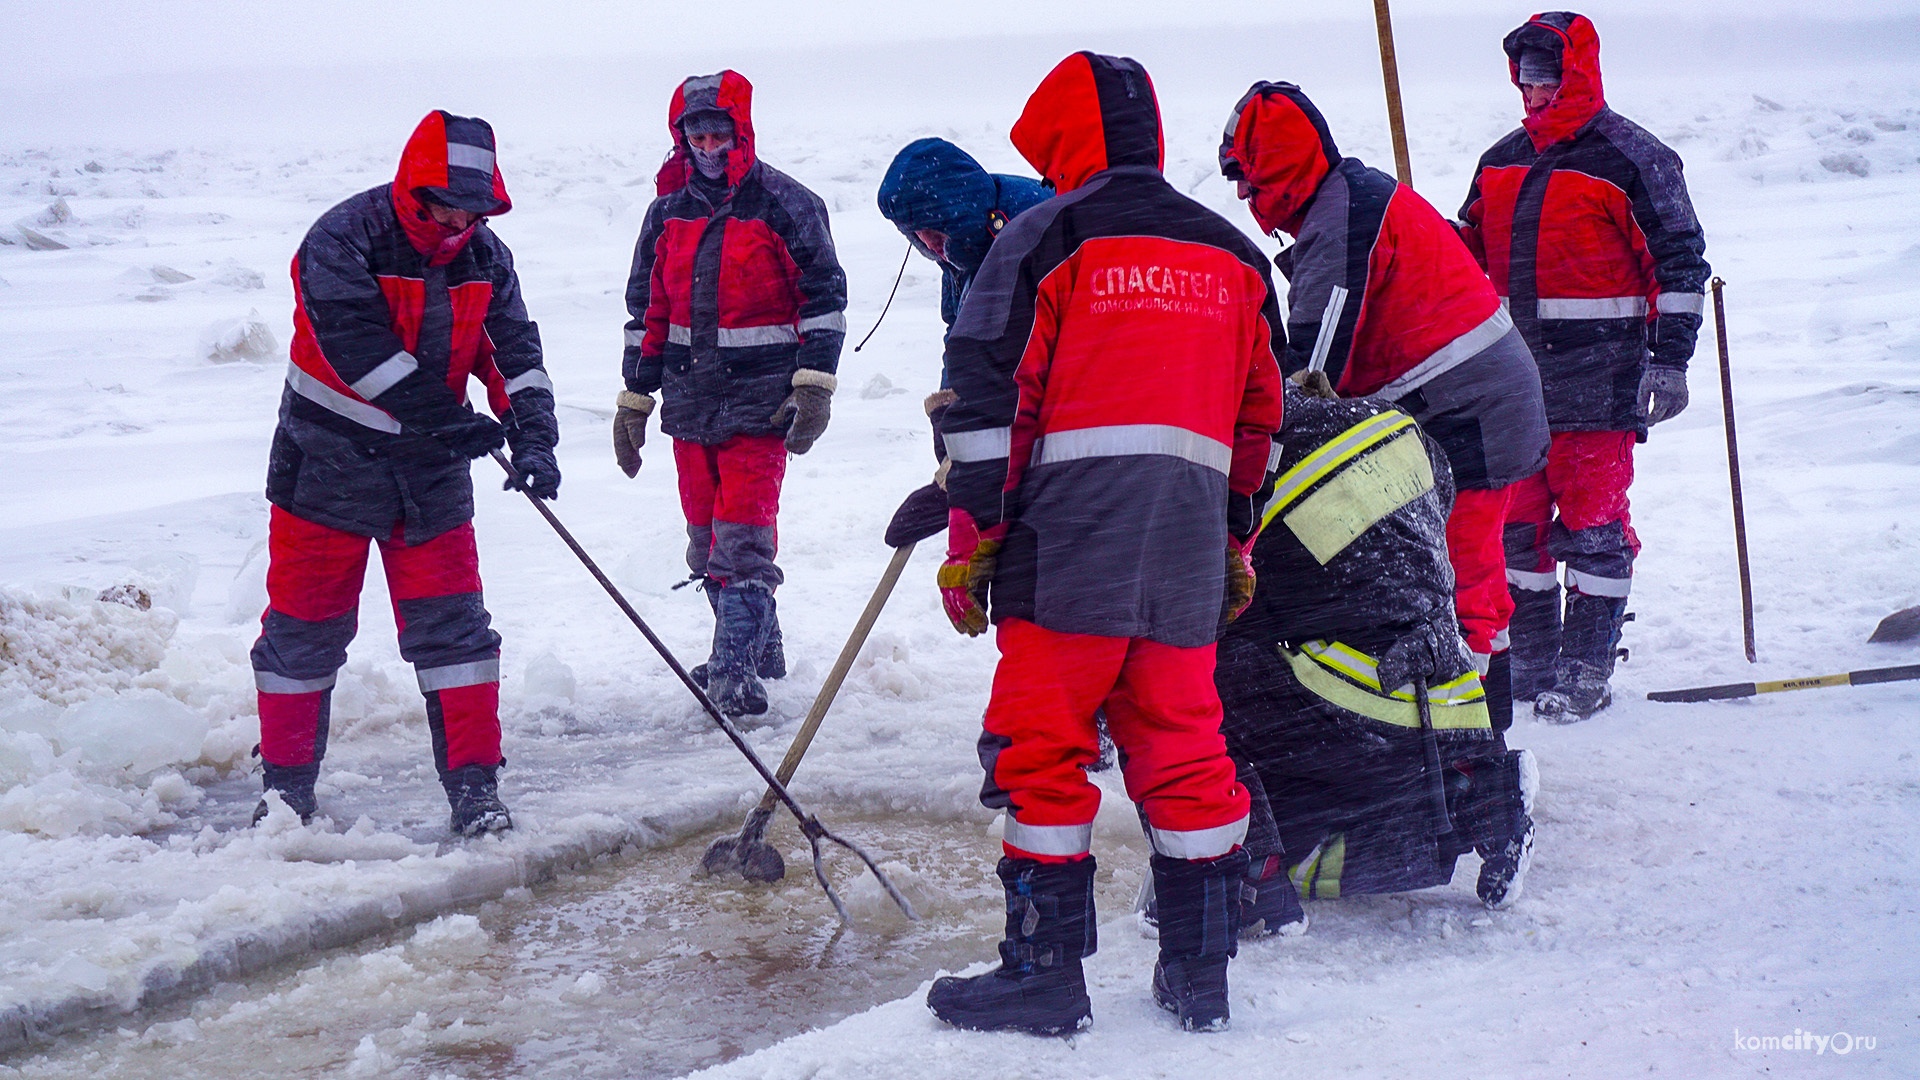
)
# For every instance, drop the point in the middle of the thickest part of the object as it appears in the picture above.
(734, 286)
(1583, 221)
(392, 316)
(1114, 362)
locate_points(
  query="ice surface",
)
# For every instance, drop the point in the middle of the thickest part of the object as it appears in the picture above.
(139, 730)
(1700, 868)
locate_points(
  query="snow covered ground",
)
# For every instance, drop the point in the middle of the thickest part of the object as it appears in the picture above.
(1705, 873)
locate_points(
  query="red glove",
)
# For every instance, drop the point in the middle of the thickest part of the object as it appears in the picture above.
(971, 556)
(1240, 579)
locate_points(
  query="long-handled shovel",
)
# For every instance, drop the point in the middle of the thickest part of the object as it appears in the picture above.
(810, 826)
(749, 853)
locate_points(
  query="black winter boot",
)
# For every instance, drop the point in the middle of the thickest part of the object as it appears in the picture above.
(772, 660)
(1496, 813)
(1498, 683)
(473, 793)
(771, 663)
(1587, 648)
(295, 785)
(1039, 987)
(1535, 632)
(743, 614)
(1199, 931)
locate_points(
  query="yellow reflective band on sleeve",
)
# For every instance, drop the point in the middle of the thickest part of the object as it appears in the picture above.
(1458, 705)
(1360, 667)
(1360, 495)
(1344, 447)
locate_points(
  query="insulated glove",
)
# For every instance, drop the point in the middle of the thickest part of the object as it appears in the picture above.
(539, 472)
(1429, 651)
(630, 429)
(1663, 392)
(471, 435)
(971, 558)
(1240, 579)
(804, 414)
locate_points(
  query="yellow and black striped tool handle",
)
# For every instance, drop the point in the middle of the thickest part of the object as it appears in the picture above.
(1749, 689)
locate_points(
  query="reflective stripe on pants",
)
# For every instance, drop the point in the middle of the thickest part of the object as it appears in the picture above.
(1163, 713)
(314, 574)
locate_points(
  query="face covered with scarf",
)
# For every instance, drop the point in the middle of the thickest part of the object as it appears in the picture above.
(709, 138)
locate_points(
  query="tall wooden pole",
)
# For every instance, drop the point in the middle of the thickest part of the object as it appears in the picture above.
(1390, 72)
(1733, 467)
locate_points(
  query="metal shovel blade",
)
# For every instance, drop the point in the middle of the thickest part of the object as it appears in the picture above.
(748, 854)
(1902, 625)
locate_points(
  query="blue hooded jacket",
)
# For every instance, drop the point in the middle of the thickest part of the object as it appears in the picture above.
(933, 184)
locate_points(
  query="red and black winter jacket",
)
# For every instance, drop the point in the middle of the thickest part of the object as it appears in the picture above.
(1383, 295)
(1582, 220)
(735, 284)
(1118, 391)
(393, 314)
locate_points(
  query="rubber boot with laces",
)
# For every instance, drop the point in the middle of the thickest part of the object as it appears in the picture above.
(1199, 908)
(1039, 987)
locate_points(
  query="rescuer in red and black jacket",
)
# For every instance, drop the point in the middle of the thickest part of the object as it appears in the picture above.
(738, 308)
(1117, 394)
(402, 294)
(1582, 220)
(1386, 300)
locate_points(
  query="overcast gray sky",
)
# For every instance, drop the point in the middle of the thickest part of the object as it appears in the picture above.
(62, 39)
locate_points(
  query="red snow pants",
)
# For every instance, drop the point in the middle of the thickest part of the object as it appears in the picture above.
(730, 493)
(1164, 715)
(1586, 481)
(314, 575)
(1479, 558)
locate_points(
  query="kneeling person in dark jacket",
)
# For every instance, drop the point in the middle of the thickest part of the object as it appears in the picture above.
(402, 293)
(1352, 612)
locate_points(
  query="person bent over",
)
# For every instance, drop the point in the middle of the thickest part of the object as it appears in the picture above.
(1582, 220)
(950, 209)
(402, 294)
(1117, 391)
(737, 305)
(1352, 617)
(1386, 300)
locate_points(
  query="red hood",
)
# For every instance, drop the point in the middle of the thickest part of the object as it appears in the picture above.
(1580, 98)
(728, 92)
(1090, 113)
(1279, 143)
(452, 157)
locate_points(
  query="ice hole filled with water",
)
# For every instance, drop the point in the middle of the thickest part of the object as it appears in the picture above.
(638, 965)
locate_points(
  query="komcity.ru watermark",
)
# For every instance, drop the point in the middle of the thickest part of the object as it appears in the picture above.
(1839, 1042)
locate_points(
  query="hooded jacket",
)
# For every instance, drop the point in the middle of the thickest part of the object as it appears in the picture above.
(1383, 295)
(1582, 220)
(735, 284)
(1118, 390)
(933, 184)
(1351, 557)
(393, 313)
